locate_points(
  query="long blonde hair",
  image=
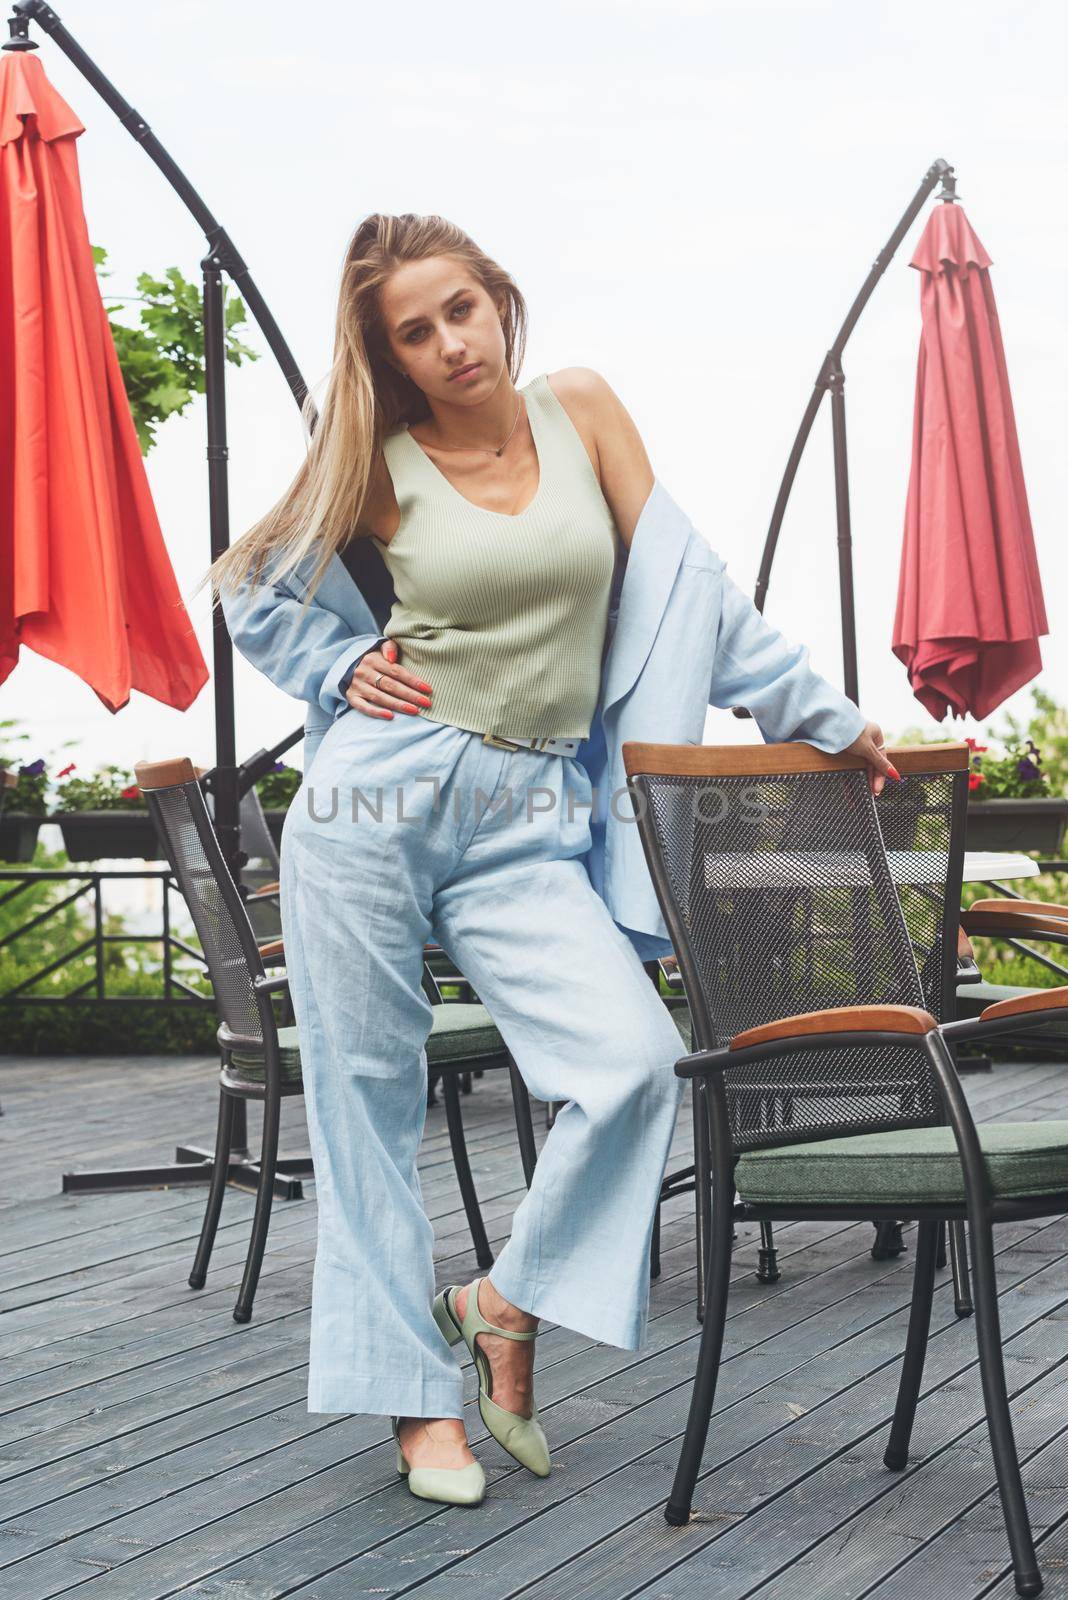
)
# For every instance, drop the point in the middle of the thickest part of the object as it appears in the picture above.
(366, 398)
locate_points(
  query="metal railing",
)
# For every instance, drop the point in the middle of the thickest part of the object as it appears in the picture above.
(1017, 944)
(88, 885)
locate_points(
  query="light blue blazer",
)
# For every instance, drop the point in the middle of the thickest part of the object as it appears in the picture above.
(681, 636)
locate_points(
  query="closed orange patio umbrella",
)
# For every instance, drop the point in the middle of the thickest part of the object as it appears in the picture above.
(85, 578)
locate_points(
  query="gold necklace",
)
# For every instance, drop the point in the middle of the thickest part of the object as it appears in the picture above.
(485, 449)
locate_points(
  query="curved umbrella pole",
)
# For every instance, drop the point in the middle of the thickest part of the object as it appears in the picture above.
(220, 245)
(831, 378)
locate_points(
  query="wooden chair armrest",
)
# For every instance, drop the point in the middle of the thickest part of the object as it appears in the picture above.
(1013, 918)
(272, 947)
(844, 1019)
(265, 889)
(1040, 1000)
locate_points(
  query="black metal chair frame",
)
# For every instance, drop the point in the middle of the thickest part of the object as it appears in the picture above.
(940, 990)
(717, 1154)
(156, 780)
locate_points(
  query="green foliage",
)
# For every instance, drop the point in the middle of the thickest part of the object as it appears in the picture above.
(110, 788)
(1048, 728)
(162, 359)
(277, 787)
(1015, 775)
(85, 1028)
(29, 792)
(1032, 761)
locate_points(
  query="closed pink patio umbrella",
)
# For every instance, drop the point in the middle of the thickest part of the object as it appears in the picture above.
(969, 608)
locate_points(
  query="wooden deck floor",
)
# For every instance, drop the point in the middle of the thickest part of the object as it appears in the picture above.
(150, 1446)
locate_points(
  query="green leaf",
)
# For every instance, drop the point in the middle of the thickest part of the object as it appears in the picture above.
(162, 359)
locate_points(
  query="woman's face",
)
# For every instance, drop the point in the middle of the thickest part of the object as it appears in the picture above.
(438, 320)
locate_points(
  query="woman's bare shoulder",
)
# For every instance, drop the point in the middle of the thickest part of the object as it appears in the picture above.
(612, 442)
(577, 389)
(580, 387)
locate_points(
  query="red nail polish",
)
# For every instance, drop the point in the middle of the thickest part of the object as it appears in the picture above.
(894, 773)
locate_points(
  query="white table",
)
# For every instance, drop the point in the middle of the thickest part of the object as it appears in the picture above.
(982, 865)
(797, 869)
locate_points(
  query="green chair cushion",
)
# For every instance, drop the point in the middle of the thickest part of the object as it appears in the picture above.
(461, 1032)
(458, 1033)
(918, 1165)
(249, 1063)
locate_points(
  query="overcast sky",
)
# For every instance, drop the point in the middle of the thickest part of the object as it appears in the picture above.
(689, 195)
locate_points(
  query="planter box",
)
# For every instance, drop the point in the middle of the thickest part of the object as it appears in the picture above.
(275, 822)
(102, 835)
(1017, 825)
(18, 834)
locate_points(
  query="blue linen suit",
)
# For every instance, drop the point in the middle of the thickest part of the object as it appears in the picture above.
(528, 869)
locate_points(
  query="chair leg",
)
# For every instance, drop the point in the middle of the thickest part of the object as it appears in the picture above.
(220, 1167)
(768, 1261)
(923, 1280)
(958, 1255)
(889, 1241)
(524, 1125)
(677, 1510)
(654, 1248)
(702, 1189)
(261, 1217)
(454, 1119)
(996, 1400)
(940, 1254)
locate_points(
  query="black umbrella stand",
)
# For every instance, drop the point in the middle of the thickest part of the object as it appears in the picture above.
(228, 779)
(831, 380)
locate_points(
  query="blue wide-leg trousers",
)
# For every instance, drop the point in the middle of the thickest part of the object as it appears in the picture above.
(411, 830)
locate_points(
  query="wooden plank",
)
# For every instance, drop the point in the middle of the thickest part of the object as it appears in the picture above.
(384, 1514)
(632, 1460)
(767, 1507)
(57, 1477)
(603, 1401)
(651, 1370)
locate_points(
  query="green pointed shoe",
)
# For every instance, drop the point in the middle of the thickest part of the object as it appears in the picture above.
(522, 1437)
(453, 1486)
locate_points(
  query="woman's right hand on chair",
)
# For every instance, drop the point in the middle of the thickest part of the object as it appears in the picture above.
(396, 690)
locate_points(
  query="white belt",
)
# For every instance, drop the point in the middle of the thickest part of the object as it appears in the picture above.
(552, 747)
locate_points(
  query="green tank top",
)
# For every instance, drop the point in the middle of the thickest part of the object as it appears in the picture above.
(504, 616)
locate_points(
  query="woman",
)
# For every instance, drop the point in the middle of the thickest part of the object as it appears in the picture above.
(499, 514)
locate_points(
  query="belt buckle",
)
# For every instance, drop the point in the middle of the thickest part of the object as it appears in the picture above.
(499, 743)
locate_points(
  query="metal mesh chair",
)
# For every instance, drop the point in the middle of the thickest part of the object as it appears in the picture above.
(915, 822)
(262, 1061)
(811, 951)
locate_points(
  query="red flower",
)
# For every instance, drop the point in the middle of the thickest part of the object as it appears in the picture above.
(973, 746)
(71, 768)
(132, 793)
(974, 780)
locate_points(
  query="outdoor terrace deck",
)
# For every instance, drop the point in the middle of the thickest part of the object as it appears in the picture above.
(150, 1446)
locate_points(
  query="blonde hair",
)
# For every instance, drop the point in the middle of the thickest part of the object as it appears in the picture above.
(366, 398)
